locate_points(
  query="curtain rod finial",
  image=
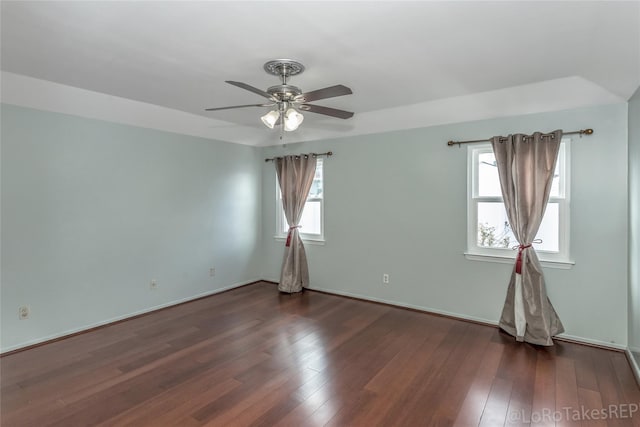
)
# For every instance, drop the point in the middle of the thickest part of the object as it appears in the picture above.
(587, 131)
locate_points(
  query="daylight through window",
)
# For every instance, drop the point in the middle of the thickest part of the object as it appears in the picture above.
(311, 224)
(489, 232)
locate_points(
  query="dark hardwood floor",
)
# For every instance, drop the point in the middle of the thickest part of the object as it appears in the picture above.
(255, 357)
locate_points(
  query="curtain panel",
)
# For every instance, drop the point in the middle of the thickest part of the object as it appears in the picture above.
(295, 176)
(526, 165)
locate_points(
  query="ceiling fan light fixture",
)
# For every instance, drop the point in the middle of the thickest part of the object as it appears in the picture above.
(271, 118)
(292, 119)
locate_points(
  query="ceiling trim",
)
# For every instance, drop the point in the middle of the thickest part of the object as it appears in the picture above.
(39, 94)
(552, 95)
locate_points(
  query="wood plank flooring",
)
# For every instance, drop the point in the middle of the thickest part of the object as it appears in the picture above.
(254, 357)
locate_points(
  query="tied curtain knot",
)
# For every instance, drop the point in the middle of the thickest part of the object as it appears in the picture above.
(293, 227)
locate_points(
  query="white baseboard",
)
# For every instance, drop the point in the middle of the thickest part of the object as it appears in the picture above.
(589, 341)
(635, 367)
(581, 340)
(330, 291)
(411, 306)
(123, 317)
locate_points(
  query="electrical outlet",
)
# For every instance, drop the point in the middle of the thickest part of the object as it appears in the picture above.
(153, 284)
(212, 272)
(23, 312)
(385, 278)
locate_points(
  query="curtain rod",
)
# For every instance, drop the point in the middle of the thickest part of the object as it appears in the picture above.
(581, 132)
(328, 153)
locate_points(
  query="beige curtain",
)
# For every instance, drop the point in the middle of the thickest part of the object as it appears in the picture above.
(295, 175)
(526, 165)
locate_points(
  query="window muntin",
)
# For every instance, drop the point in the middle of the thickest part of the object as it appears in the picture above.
(489, 232)
(311, 223)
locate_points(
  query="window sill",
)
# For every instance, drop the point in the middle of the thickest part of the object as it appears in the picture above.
(562, 265)
(305, 240)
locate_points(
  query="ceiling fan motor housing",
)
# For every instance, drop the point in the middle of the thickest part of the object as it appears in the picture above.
(284, 92)
(284, 68)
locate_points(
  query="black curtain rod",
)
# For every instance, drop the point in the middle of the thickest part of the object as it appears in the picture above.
(581, 132)
(328, 153)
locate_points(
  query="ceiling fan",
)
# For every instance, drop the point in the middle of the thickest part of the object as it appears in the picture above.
(288, 99)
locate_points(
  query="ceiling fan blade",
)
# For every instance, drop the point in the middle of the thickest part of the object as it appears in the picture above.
(327, 92)
(251, 89)
(238, 106)
(341, 114)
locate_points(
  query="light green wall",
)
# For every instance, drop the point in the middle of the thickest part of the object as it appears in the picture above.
(634, 223)
(396, 203)
(93, 211)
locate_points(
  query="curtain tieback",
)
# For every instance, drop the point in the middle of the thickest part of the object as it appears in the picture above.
(519, 258)
(521, 248)
(289, 235)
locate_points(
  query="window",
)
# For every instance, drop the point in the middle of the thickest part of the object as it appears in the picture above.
(311, 224)
(488, 230)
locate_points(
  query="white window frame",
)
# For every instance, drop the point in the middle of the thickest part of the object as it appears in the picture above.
(281, 233)
(559, 259)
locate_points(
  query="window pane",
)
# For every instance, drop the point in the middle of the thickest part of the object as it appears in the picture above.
(316, 187)
(284, 227)
(488, 180)
(494, 230)
(555, 184)
(549, 230)
(493, 226)
(311, 221)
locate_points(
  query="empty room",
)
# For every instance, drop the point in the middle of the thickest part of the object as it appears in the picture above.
(292, 213)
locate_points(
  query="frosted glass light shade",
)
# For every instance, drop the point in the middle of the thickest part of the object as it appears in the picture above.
(292, 120)
(270, 119)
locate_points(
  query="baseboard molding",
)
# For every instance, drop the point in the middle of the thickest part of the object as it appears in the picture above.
(419, 308)
(87, 328)
(458, 316)
(634, 365)
(590, 342)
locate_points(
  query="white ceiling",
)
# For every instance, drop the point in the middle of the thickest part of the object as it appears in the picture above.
(409, 64)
